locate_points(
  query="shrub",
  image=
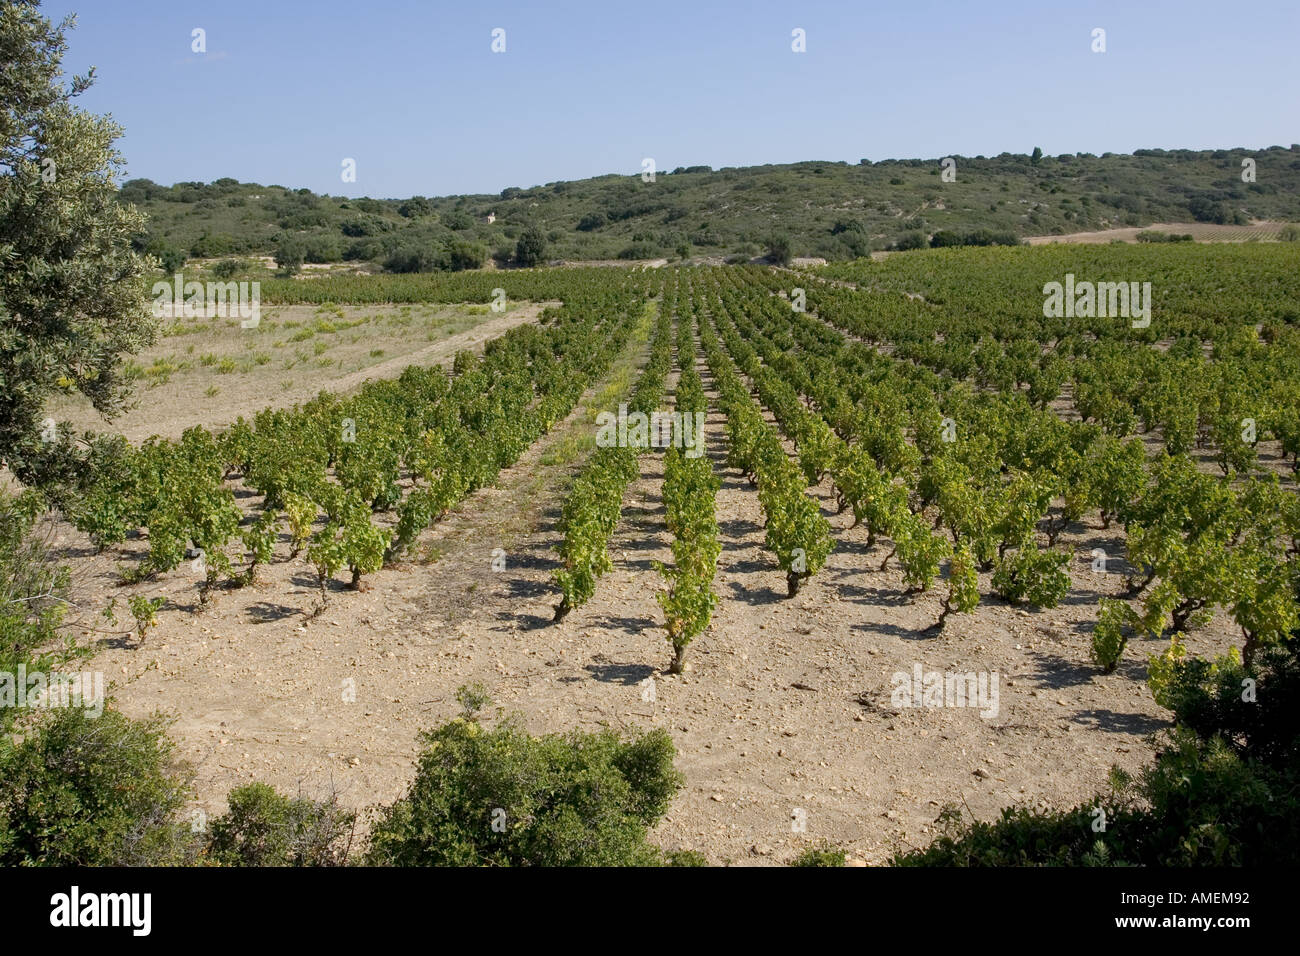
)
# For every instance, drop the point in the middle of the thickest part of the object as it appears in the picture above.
(290, 255)
(227, 268)
(978, 237)
(322, 249)
(531, 247)
(92, 791)
(415, 207)
(639, 250)
(363, 249)
(779, 250)
(364, 226)
(457, 220)
(208, 246)
(33, 591)
(265, 828)
(819, 854)
(464, 255)
(1204, 209)
(503, 798)
(170, 258)
(413, 257)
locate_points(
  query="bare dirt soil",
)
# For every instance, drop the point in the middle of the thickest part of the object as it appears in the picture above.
(1199, 231)
(784, 723)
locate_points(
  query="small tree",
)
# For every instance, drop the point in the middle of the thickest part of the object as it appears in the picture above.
(72, 292)
(290, 255)
(779, 250)
(81, 790)
(531, 247)
(464, 255)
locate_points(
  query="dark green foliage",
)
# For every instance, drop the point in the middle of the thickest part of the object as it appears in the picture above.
(1155, 235)
(979, 237)
(415, 207)
(1206, 209)
(91, 791)
(33, 589)
(464, 255)
(530, 250)
(228, 268)
(596, 218)
(169, 257)
(574, 800)
(263, 827)
(290, 254)
(779, 250)
(457, 220)
(414, 257)
(819, 854)
(72, 287)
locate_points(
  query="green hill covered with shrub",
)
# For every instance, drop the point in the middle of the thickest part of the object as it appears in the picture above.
(831, 209)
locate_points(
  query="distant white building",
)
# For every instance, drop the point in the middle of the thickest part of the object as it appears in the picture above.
(492, 217)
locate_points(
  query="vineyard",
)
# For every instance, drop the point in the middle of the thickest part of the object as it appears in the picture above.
(903, 462)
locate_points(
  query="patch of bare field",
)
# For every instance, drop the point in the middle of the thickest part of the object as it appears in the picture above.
(210, 370)
(1260, 231)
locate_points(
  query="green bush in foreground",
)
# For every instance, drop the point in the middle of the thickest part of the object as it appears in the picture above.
(265, 828)
(92, 791)
(33, 595)
(503, 798)
(819, 854)
(78, 790)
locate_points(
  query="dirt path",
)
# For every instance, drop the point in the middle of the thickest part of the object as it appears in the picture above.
(442, 353)
(1200, 231)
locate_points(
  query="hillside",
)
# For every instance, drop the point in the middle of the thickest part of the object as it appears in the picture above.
(829, 209)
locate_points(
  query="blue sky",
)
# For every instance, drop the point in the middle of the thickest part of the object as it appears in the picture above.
(411, 90)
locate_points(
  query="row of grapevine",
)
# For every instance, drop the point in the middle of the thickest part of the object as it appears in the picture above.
(1215, 367)
(859, 483)
(1197, 542)
(595, 499)
(796, 531)
(409, 447)
(690, 491)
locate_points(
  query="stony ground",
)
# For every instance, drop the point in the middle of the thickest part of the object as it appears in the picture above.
(784, 723)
